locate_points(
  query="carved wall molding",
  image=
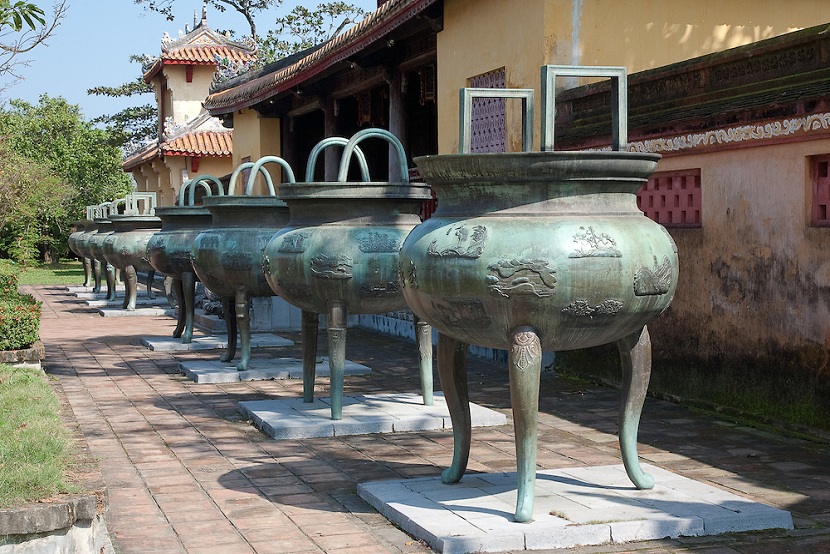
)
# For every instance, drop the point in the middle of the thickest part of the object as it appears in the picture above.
(790, 127)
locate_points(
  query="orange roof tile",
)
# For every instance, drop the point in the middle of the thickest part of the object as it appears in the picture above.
(200, 143)
(204, 54)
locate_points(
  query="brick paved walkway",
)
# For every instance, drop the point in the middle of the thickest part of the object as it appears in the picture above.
(186, 473)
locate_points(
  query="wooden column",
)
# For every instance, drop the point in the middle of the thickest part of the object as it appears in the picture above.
(397, 121)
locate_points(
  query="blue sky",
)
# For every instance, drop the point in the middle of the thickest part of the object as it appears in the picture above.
(93, 45)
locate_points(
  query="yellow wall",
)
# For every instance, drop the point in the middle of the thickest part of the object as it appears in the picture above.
(187, 98)
(639, 34)
(253, 138)
(751, 279)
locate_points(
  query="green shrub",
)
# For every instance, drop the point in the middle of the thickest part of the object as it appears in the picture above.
(19, 321)
(9, 277)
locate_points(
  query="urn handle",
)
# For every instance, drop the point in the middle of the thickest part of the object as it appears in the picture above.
(619, 102)
(334, 141)
(257, 167)
(466, 113)
(133, 203)
(190, 188)
(370, 133)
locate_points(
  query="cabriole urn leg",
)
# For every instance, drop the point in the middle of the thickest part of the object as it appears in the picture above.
(452, 372)
(130, 288)
(243, 322)
(87, 272)
(176, 285)
(187, 303)
(110, 275)
(96, 275)
(310, 323)
(337, 357)
(229, 312)
(525, 365)
(635, 355)
(151, 276)
(423, 335)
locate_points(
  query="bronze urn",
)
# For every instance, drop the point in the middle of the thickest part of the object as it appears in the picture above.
(169, 249)
(534, 251)
(338, 255)
(227, 257)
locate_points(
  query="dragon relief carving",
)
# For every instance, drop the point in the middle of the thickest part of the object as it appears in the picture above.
(521, 277)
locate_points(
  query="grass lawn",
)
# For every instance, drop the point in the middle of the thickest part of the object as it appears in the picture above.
(66, 272)
(35, 446)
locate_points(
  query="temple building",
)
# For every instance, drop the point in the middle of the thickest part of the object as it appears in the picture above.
(190, 141)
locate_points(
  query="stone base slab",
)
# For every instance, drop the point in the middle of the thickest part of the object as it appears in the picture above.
(210, 342)
(260, 369)
(574, 507)
(138, 312)
(141, 301)
(380, 413)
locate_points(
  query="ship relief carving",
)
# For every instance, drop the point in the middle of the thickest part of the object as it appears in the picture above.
(293, 243)
(374, 241)
(653, 282)
(331, 267)
(390, 288)
(469, 243)
(593, 245)
(596, 315)
(237, 261)
(521, 278)
(468, 313)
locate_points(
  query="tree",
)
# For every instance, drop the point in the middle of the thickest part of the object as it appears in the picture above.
(23, 26)
(55, 135)
(132, 126)
(33, 204)
(300, 29)
(303, 28)
(248, 8)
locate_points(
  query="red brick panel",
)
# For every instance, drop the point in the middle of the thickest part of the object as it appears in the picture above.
(672, 198)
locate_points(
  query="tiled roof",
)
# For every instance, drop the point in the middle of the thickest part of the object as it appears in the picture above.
(200, 143)
(374, 26)
(198, 47)
(149, 152)
(204, 54)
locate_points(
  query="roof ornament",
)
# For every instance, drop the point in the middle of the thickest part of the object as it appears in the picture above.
(204, 13)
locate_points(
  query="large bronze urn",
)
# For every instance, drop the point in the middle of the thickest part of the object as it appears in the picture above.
(78, 229)
(126, 248)
(169, 249)
(339, 255)
(536, 251)
(227, 257)
(92, 241)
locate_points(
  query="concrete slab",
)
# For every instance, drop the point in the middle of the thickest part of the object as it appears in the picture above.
(120, 312)
(362, 415)
(574, 507)
(143, 301)
(214, 371)
(211, 342)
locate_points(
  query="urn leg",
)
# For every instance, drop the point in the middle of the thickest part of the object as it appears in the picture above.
(635, 355)
(423, 334)
(110, 274)
(243, 323)
(452, 372)
(179, 292)
(525, 365)
(151, 276)
(229, 312)
(96, 275)
(130, 288)
(87, 272)
(309, 339)
(187, 303)
(337, 357)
